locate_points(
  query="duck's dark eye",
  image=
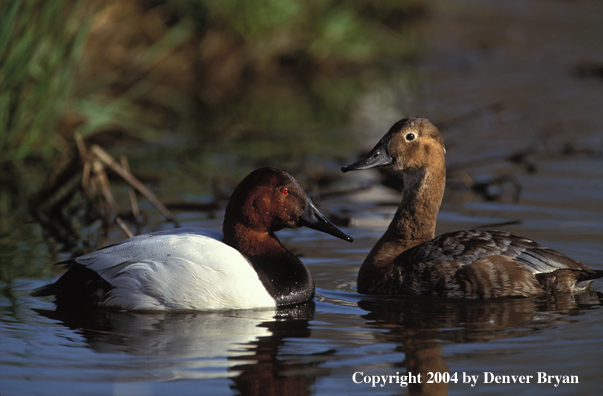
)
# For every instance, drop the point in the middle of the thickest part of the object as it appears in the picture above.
(410, 136)
(285, 190)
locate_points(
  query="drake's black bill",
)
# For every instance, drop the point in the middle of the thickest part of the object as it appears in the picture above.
(378, 156)
(313, 218)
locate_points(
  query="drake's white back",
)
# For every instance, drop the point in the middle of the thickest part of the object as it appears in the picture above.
(181, 269)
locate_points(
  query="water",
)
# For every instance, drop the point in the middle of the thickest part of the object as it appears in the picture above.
(472, 85)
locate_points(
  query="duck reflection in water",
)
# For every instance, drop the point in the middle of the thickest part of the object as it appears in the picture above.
(243, 346)
(419, 326)
(273, 373)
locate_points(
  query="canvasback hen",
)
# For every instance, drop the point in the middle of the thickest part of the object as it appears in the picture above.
(195, 268)
(476, 264)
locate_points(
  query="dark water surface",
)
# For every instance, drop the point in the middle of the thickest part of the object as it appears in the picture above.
(509, 85)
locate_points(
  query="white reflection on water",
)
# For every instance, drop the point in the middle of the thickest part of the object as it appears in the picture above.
(177, 345)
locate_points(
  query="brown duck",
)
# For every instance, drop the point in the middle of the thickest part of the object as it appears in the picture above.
(469, 263)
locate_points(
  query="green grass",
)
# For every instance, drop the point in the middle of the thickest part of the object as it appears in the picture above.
(253, 65)
(257, 78)
(40, 44)
(242, 83)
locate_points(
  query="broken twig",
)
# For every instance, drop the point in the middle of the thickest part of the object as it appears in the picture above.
(133, 181)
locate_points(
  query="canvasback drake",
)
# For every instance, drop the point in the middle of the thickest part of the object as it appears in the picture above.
(195, 268)
(469, 263)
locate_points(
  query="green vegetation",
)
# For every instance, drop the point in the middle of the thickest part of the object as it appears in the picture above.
(184, 65)
(244, 83)
(40, 43)
(224, 69)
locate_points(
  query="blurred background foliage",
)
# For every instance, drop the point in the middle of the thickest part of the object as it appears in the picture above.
(38, 55)
(148, 67)
(271, 77)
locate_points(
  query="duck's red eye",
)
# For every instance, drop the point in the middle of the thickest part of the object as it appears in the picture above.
(285, 190)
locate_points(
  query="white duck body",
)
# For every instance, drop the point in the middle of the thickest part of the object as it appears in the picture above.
(182, 269)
